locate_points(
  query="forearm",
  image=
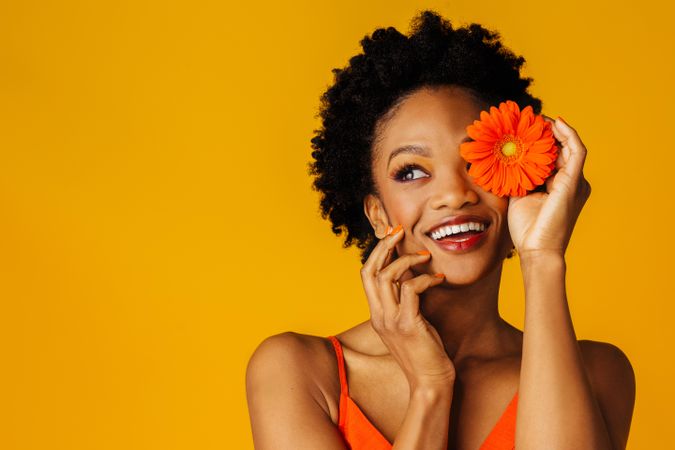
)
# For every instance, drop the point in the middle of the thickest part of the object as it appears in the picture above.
(556, 405)
(426, 423)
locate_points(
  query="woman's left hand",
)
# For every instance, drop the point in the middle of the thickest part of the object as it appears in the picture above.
(543, 222)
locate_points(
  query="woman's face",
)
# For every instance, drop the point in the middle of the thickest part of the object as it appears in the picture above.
(425, 132)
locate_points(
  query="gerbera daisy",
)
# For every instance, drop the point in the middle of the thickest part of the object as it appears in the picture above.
(512, 152)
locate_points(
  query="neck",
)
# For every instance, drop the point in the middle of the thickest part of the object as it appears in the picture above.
(467, 317)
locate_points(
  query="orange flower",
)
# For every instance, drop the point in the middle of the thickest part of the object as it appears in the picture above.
(512, 151)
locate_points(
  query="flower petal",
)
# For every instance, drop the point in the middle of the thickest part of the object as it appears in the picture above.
(510, 114)
(510, 176)
(481, 131)
(486, 179)
(481, 167)
(535, 172)
(542, 146)
(541, 158)
(490, 122)
(523, 180)
(475, 149)
(526, 120)
(533, 132)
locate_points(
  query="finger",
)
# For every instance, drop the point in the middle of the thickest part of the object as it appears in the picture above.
(382, 300)
(577, 150)
(394, 286)
(386, 279)
(556, 134)
(382, 252)
(373, 297)
(410, 300)
(401, 265)
(550, 181)
(378, 256)
(408, 274)
(392, 255)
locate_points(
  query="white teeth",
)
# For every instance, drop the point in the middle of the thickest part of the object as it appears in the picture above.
(454, 229)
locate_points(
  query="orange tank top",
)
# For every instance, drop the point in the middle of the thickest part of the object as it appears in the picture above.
(361, 434)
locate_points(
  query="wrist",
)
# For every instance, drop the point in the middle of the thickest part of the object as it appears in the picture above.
(432, 394)
(538, 260)
(541, 254)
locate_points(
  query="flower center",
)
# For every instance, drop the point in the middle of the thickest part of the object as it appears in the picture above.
(509, 148)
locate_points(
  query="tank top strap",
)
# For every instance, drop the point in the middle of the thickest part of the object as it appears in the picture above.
(341, 365)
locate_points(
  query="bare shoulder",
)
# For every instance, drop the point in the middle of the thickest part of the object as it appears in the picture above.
(608, 366)
(298, 347)
(287, 377)
(299, 351)
(304, 359)
(612, 378)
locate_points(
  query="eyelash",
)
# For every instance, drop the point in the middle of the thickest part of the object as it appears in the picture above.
(403, 170)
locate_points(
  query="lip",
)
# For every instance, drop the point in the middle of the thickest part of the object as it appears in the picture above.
(456, 220)
(464, 246)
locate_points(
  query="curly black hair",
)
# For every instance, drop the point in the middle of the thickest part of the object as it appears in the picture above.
(367, 91)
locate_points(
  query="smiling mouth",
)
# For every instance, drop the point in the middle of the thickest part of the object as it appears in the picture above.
(459, 236)
(463, 241)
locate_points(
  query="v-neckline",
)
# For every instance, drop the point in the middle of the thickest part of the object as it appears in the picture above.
(379, 433)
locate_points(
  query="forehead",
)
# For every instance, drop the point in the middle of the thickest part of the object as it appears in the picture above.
(430, 116)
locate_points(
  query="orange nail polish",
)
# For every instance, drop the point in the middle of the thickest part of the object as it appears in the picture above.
(439, 275)
(397, 229)
(423, 252)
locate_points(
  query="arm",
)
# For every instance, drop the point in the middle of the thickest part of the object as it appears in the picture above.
(284, 404)
(426, 423)
(286, 413)
(557, 407)
(562, 403)
(613, 381)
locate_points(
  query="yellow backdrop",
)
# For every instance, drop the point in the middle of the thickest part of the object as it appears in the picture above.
(158, 221)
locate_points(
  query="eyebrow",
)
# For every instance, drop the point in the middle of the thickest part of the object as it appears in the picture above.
(422, 150)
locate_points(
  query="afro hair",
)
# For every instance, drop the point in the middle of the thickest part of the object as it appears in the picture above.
(372, 85)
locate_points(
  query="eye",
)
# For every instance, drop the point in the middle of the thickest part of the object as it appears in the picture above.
(407, 173)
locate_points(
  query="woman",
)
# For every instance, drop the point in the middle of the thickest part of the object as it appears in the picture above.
(436, 366)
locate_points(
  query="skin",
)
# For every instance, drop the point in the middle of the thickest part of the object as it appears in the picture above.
(463, 309)
(431, 333)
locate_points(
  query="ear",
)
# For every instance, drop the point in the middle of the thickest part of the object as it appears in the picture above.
(376, 215)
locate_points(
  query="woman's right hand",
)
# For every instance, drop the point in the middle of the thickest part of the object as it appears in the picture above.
(395, 315)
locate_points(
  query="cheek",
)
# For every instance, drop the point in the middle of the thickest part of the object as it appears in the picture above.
(499, 204)
(404, 209)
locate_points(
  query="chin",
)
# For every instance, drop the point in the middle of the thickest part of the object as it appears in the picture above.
(467, 272)
(457, 279)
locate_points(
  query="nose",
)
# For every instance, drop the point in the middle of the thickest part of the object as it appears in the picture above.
(453, 189)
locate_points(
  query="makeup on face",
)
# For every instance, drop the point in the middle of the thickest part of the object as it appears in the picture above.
(462, 244)
(425, 175)
(460, 233)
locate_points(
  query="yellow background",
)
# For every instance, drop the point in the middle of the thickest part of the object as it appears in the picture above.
(158, 221)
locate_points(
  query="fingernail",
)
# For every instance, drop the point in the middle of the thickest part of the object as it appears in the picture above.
(388, 230)
(563, 120)
(439, 275)
(397, 229)
(423, 252)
